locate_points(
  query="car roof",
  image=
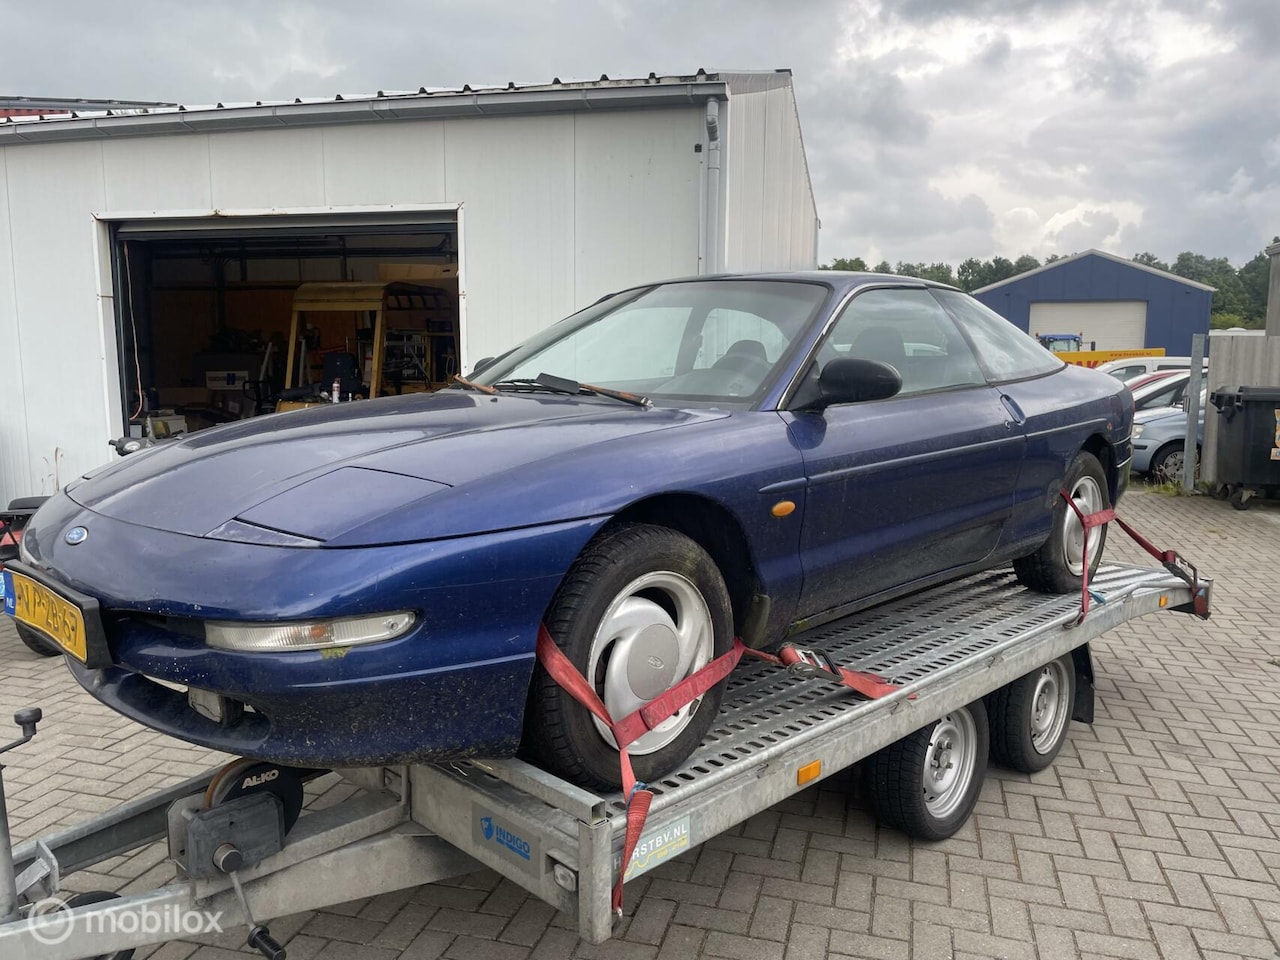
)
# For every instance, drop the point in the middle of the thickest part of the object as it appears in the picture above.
(841, 280)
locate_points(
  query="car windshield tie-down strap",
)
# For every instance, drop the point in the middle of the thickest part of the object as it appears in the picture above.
(1171, 560)
(635, 725)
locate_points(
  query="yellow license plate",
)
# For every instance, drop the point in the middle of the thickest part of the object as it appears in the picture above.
(38, 606)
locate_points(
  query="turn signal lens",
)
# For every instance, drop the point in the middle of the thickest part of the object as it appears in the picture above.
(317, 635)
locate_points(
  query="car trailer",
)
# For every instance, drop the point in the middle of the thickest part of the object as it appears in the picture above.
(240, 858)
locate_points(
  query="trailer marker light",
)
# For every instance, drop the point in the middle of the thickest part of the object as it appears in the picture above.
(810, 772)
(1164, 600)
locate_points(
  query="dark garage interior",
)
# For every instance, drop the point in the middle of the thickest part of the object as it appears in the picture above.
(204, 314)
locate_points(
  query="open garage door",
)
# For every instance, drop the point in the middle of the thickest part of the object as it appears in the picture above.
(209, 324)
(1110, 324)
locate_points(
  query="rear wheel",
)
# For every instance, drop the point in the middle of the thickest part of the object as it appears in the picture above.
(927, 783)
(641, 609)
(1030, 717)
(1058, 565)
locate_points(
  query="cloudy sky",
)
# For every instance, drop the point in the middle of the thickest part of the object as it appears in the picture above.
(936, 129)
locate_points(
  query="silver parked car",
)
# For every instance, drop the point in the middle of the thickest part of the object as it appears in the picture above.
(1159, 441)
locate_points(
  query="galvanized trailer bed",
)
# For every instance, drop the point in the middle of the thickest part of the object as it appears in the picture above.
(947, 647)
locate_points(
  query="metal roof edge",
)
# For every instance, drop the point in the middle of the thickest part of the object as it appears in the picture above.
(497, 102)
(1095, 253)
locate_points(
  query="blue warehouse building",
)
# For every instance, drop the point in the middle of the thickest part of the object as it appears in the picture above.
(1115, 303)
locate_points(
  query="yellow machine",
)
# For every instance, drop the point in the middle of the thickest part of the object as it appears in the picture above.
(403, 338)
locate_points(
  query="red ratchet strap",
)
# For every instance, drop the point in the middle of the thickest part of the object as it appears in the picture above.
(635, 725)
(1171, 560)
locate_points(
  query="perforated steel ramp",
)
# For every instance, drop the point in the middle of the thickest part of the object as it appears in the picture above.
(947, 647)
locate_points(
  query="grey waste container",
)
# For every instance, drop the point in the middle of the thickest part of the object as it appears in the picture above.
(1248, 438)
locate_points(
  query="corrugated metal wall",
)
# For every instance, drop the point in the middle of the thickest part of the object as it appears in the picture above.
(771, 220)
(557, 210)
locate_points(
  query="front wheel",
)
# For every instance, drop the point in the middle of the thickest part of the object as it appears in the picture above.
(927, 783)
(36, 643)
(1169, 462)
(642, 608)
(1057, 567)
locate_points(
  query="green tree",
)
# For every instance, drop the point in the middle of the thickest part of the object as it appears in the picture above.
(855, 264)
(1150, 260)
(1025, 262)
(939, 273)
(1230, 296)
(1225, 321)
(882, 267)
(971, 274)
(1001, 269)
(1255, 278)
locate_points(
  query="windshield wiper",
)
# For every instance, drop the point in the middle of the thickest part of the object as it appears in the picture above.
(553, 384)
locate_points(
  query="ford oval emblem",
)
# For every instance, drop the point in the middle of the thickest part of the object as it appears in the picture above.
(656, 663)
(76, 535)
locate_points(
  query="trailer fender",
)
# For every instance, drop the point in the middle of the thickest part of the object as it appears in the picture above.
(1083, 709)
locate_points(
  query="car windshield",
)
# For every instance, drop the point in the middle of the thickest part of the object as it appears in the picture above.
(712, 340)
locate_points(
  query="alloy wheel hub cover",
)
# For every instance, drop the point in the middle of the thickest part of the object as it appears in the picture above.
(652, 661)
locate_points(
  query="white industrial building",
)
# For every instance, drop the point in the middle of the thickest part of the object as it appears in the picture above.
(144, 254)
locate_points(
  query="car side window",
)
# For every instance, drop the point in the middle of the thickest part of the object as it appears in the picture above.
(1005, 352)
(906, 329)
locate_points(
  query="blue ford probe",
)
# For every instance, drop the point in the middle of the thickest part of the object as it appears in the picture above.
(678, 464)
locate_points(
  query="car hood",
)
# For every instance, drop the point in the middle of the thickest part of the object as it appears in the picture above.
(397, 469)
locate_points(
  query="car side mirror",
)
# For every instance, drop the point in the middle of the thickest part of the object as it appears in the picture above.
(481, 364)
(855, 380)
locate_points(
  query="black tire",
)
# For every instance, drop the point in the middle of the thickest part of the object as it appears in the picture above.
(561, 735)
(88, 899)
(1160, 469)
(897, 777)
(1030, 717)
(36, 643)
(1239, 499)
(1048, 570)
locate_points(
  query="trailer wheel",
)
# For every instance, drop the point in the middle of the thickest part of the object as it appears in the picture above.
(1030, 717)
(1056, 567)
(36, 643)
(642, 608)
(46, 907)
(927, 783)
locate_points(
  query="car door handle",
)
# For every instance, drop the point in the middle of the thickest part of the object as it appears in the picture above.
(1015, 411)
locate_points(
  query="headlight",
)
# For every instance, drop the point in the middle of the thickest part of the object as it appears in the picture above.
(1136, 432)
(315, 635)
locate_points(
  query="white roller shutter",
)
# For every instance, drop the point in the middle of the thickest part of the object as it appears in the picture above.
(1112, 324)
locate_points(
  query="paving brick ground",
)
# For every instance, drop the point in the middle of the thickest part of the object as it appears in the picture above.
(1155, 835)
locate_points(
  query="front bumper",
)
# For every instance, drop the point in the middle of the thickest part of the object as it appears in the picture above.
(454, 686)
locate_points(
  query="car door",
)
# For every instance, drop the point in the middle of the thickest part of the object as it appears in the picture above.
(906, 488)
